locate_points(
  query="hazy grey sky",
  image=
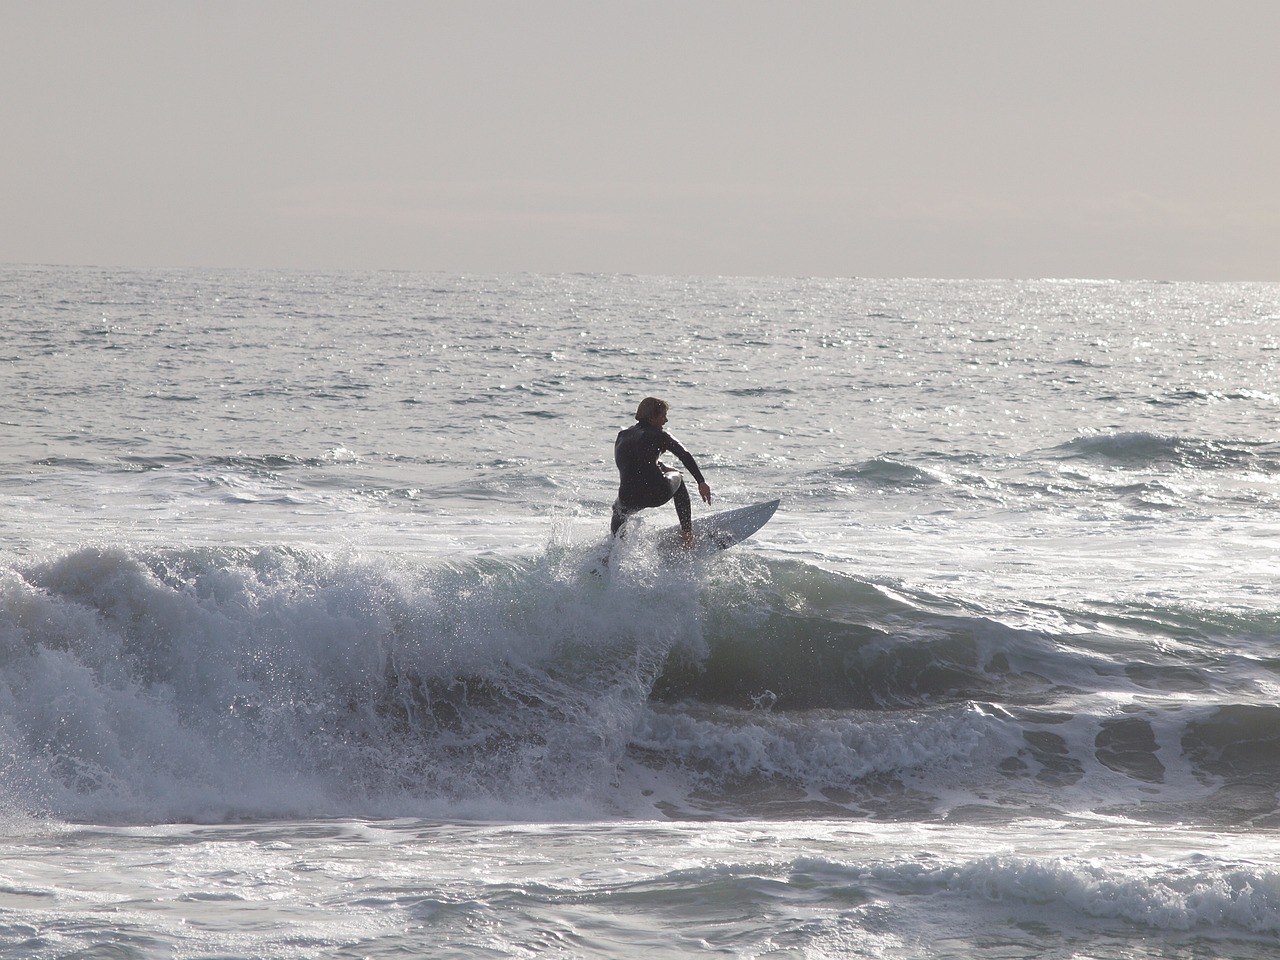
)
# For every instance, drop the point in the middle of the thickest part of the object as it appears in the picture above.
(969, 138)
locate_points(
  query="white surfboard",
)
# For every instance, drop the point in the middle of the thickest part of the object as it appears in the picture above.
(722, 530)
(711, 534)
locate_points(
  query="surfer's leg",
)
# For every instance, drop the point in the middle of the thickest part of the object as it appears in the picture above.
(685, 513)
(619, 518)
(680, 494)
(684, 510)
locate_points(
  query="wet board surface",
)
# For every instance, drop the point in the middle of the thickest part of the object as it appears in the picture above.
(722, 530)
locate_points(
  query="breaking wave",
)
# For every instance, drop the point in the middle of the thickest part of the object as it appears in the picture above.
(139, 685)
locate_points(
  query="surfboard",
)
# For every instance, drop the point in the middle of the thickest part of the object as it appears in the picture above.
(711, 535)
(720, 531)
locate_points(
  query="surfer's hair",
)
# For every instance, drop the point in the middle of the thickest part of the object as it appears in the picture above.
(651, 407)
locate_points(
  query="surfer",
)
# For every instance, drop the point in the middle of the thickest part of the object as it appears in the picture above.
(642, 480)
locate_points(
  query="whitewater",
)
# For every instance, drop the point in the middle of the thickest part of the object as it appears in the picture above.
(306, 649)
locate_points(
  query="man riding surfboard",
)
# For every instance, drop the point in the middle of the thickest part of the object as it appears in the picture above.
(642, 480)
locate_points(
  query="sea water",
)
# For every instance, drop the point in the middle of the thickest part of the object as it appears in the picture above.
(306, 649)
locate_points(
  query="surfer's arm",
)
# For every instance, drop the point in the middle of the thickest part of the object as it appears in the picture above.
(673, 445)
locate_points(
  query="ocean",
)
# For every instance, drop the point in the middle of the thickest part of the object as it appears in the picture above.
(306, 649)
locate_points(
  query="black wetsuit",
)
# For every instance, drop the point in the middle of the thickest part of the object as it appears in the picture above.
(642, 480)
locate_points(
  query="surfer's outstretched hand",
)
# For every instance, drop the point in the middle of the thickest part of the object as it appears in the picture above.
(705, 491)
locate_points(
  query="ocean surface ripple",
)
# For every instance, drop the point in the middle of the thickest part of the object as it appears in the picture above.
(307, 648)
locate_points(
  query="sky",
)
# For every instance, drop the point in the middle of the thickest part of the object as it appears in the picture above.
(1126, 139)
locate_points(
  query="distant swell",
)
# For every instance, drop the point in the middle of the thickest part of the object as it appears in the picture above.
(888, 473)
(1150, 449)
